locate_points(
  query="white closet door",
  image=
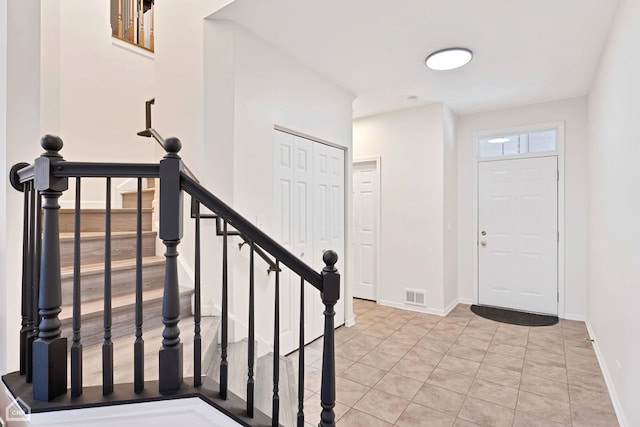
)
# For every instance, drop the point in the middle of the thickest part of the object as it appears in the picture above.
(309, 195)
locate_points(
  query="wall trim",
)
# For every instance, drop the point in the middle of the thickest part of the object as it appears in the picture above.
(451, 306)
(576, 317)
(467, 301)
(615, 400)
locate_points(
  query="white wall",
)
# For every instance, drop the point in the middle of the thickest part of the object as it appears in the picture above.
(450, 225)
(410, 144)
(574, 114)
(19, 136)
(614, 206)
(270, 88)
(93, 89)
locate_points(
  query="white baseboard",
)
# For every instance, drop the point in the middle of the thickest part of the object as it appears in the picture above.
(350, 322)
(467, 301)
(451, 306)
(416, 308)
(576, 317)
(615, 401)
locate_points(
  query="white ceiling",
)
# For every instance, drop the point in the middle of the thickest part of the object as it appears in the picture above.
(525, 51)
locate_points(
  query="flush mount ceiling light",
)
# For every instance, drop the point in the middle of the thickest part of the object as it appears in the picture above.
(448, 59)
(500, 140)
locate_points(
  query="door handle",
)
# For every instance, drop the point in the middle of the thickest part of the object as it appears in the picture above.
(483, 243)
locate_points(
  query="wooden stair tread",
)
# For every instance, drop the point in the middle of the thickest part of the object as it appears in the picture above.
(144, 190)
(115, 266)
(101, 210)
(99, 235)
(97, 306)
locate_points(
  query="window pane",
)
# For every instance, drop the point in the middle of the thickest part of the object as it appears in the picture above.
(542, 141)
(488, 149)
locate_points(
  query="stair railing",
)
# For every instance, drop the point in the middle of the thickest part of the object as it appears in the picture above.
(42, 378)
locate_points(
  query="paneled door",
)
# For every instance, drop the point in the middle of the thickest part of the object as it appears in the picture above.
(518, 234)
(365, 229)
(309, 195)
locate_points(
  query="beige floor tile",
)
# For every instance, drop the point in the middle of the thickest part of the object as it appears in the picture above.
(588, 416)
(589, 382)
(522, 419)
(349, 392)
(430, 343)
(588, 365)
(545, 387)
(481, 333)
(414, 330)
(485, 413)
(544, 407)
(394, 348)
(546, 357)
(443, 336)
(363, 374)
(545, 371)
(366, 341)
(351, 351)
(498, 375)
(312, 379)
(424, 356)
(452, 328)
(419, 416)
(378, 330)
(380, 360)
(551, 348)
(579, 351)
(573, 324)
(598, 400)
(382, 405)
(494, 393)
(341, 364)
(355, 418)
(473, 342)
(403, 338)
(504, 361)
(509, 350)
(464, 423)
(511, 339)
(399, 385)
(450, 380)
(469, 353)
(415, 370)
(456, 364)
(440, 399)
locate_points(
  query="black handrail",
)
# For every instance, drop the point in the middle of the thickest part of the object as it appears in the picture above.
(253, 233)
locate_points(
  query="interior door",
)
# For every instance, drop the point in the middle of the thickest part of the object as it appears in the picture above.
(518, 234)
(309, 196)
(365, 217)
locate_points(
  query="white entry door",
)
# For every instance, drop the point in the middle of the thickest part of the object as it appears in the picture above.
(518, 234)
(309, 195)
(365, 229)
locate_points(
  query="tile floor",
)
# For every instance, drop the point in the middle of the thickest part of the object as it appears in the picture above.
(406, 369)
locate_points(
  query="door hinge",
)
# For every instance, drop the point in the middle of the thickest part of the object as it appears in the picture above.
(558, 236)
(558, 175)
(558, 295)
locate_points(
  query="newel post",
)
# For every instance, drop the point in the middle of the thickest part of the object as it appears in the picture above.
(330, 296)
(170, 356)
(50, 348)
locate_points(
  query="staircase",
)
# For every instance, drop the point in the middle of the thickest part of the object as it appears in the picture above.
(123, 269)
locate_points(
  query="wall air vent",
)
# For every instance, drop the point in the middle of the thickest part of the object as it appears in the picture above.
(414, 297)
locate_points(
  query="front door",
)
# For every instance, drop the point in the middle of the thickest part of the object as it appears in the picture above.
(518, 234)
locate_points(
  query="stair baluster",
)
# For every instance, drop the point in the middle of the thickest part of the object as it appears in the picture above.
(224, 364)
(275, 410)
(76, 347)
(138, 346)
(27, 284)
(197, 340)
(36, 256)
(250, 381)
(301, 359)
(107, 345)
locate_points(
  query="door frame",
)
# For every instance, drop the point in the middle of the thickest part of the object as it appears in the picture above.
(377, 160)
(559, 127)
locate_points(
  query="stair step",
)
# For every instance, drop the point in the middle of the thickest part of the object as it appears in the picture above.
(123, 278)
(93, 220)
(123, 246)
(130, 198)
(122, 315)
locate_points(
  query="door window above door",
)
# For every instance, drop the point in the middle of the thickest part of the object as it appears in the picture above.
(518, 143)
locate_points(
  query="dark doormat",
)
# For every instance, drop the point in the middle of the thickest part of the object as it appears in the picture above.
(513, 317)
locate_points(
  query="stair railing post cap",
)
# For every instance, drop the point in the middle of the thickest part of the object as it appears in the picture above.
(330, 259)
(172, 145)
(52, 144)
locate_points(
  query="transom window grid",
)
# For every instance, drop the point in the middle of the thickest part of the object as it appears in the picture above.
(519, 143)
